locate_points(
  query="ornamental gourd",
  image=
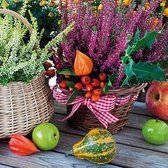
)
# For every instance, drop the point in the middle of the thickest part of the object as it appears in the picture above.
(83, 65)
(98, 146)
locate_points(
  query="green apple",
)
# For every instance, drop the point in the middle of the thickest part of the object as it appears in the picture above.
(45, 136)
(155, 132)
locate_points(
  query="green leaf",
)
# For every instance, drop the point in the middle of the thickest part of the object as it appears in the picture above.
(125, 82)
(136, 38)
(74, 94)
(146, 41)
(66, 72)
(149, 72)
(142, 72)
(111, 79)
(106, 88)
(129, 68)
(125, 59)
(109, 83)
(71, 84)
(128, 63)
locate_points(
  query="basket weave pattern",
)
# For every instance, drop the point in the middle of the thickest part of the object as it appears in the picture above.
(23, 106)
(86, 120)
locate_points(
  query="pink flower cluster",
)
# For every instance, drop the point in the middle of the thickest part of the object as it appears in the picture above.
(104, 34)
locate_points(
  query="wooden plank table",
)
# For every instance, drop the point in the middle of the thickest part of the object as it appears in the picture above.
(132, 150)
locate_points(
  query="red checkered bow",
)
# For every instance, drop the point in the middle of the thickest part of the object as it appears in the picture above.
(100, 108)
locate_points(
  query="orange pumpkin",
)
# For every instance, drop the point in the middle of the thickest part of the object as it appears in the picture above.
(83, 65)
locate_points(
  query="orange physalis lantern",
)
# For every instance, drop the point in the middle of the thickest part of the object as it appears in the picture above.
(83, 65)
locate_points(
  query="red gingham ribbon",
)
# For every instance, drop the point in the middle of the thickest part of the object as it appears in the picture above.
(99, 108)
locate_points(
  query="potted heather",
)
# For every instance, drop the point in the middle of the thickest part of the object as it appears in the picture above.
(25, 97)
(22, 60)
(107, 59)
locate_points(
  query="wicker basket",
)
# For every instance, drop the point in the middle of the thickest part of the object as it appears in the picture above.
(86, 120)
(24, 105)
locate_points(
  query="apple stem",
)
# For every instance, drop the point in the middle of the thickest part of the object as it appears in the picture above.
(68, 153)
(156, 119)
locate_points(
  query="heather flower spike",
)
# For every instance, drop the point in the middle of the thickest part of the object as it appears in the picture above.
(123, 38)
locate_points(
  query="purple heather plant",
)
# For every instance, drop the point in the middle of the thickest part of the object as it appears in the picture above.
(121, 40)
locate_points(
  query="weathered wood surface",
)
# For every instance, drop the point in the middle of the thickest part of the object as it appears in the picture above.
(132, 150)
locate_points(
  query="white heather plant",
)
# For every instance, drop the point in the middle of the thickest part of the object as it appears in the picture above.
(21, 59)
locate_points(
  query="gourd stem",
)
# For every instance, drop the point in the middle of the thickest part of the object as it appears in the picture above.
(68, 153)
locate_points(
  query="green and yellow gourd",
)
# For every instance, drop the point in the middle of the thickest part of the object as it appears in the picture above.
(98, 146)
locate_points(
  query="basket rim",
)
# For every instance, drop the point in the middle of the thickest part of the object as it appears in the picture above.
(19, 17)
(124, 90)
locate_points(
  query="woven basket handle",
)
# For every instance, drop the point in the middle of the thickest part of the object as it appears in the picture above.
(19, 17)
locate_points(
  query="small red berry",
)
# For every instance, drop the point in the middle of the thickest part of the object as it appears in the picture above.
(89, 87)
(50, 72)
(102, 84)
(88, 94)
(63, 84)
(95, 82)
(95, 97)
(102, 76)
(97, 91)
(78, 86)
(85, 80)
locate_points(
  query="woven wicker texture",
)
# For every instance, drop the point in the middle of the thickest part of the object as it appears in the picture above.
(86, 120)
(24, 105)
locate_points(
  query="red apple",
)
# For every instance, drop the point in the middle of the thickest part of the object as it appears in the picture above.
(157, 99)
